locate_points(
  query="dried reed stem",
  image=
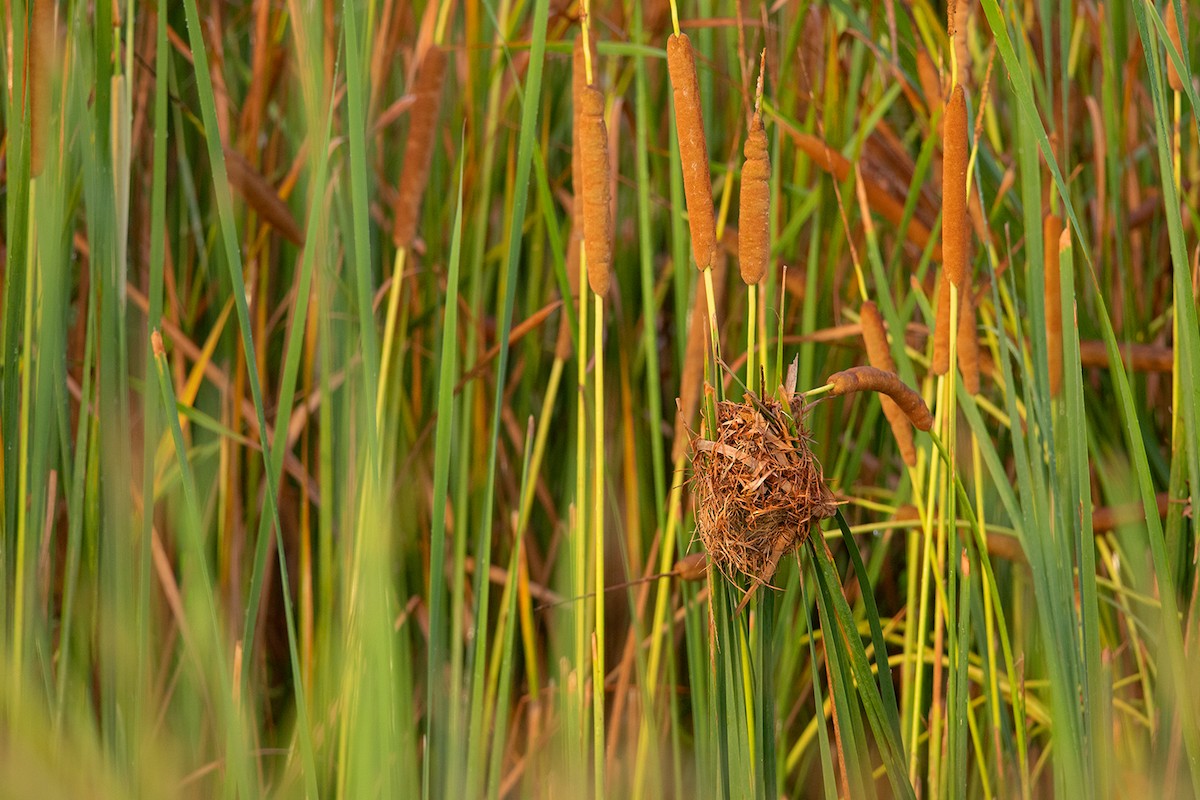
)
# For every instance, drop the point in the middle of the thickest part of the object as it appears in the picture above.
(693, 148)
(880, 357)
(871, 379)
(418, 149)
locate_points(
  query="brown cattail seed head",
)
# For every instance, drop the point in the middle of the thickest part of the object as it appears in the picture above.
(940, 364)
(597, 221)
(693, 148)
(1173, 76)
(1052, 228)
(418, 149)
(956, 231)
(880, 357)
(754, 222)
(870, 379)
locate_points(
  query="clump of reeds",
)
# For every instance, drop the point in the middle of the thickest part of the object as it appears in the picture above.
(880, 357)
(418, 149)
(754, 221)
(693, 148)
(871, 379)
(758, 488)
(597, 216)
(1052, 228)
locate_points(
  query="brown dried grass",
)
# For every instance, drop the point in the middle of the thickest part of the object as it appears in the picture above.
(758, 488)
(693, 148)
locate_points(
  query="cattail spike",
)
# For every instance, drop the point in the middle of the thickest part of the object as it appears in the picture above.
(597, 221)
(1052, 228)
(956, 231)
(418, 149)
(693, 148)
(880, 357)
(754, 222)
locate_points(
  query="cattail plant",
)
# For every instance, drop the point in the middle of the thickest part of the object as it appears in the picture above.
(955, 223)
(597, 219)
(1052, 228)
(754, 221)
(693, 148)
(880, 356)
(418, 149)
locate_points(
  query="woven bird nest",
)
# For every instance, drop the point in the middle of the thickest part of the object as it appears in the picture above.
(758, 489)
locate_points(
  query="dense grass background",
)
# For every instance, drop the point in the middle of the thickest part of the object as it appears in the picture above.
(340, 533)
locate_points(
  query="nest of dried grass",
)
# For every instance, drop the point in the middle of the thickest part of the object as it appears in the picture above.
(758, 489)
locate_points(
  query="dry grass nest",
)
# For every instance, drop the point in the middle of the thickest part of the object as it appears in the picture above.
(758, 488)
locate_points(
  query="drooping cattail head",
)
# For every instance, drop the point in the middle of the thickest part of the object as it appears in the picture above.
(597, 220)
(1173, 76)
(870, 379)
(880, 357)
(956, 230)
(754, 221)
(1052, 228)
(418, 149)
(693, 148)
(968, 341)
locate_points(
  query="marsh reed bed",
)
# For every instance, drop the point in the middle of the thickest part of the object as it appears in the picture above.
(380, 415)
